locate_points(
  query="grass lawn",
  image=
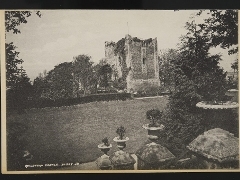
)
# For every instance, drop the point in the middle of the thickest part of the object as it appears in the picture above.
(71, 134)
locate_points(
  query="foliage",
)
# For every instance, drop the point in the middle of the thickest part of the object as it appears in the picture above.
(119, 84)
(83, 72)
(57, 84)
(105, 141)
(40, 85)
(12, 62)
(15, 18)
(12, 20)
(167, 68)
(199, 66)
(121, 132)
(234, 66)
(153, 115)
(20, 91)
(18, 84)
(146, 89)
(199, 77)
(222, 27)
(105, 73)
(46, 102)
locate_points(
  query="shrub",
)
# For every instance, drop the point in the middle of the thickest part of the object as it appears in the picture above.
(121, 132)
(105, 141)
(153, 115)
(41, 103)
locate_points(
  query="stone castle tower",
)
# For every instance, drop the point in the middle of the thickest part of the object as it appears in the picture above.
(140, 64)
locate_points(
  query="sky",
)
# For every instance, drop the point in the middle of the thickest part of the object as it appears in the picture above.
(59, 35)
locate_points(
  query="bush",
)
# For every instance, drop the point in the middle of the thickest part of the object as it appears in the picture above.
(41, 103)
(153, 115)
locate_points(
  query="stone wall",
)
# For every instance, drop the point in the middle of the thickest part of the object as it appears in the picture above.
(141, 58)
(112, 59)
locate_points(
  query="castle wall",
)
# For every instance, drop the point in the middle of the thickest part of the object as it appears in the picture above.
(112, 59)
(143, 60)
(142, 57)
(135, 58)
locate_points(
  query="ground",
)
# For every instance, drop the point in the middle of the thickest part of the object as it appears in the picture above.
(71, 134)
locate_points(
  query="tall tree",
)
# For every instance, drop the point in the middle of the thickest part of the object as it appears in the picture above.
(59, 82)
(167, 68)
(18, 84)
(199, 78)
(83, 72)
(12, 21)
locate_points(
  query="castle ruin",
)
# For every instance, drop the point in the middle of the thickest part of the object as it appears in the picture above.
(134, 60)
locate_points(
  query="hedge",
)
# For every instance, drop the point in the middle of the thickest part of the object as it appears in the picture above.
(41, 103)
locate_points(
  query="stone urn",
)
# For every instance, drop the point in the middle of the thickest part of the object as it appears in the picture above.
(104, 162)
(153, 128)
(121, 143)
(153, 132)
(104, 148)
(220, 114)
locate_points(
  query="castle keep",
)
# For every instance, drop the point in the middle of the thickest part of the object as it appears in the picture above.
(136, 62)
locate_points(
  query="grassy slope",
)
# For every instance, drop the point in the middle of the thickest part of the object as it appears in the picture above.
(71, 134)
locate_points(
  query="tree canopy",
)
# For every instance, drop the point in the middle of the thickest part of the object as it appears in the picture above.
(222, 28)
(83, 71)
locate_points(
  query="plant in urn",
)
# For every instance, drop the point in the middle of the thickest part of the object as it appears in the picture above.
(121, 139)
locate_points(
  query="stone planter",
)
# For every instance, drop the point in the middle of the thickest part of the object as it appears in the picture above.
(104, 162)
(153, 132)
(121, 143)
(217, 105)
(122, 160)
(223, 114)
(104, 148)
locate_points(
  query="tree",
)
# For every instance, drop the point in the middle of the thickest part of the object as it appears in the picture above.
(18, 84)
(60, 82)
(105, 73)
(167, 68)
(199, 77)
(222, 28)
(57, 84)
(12, 20)
(19, 92)
(83, 72)
(12, 62)
(39, 86)
(199, 66)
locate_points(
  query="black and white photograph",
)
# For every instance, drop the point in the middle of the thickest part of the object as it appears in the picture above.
(119, 91)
